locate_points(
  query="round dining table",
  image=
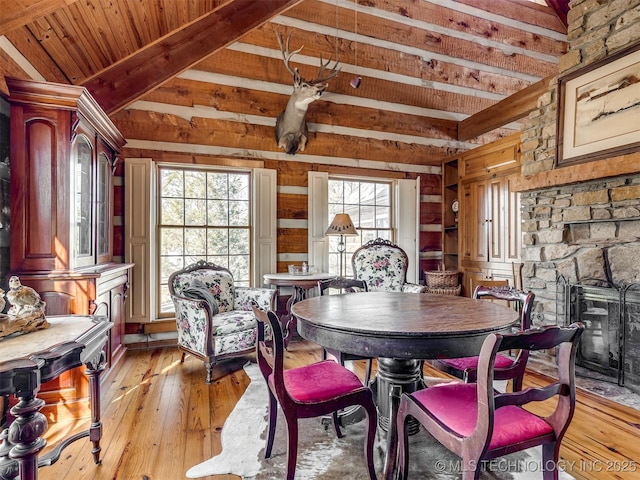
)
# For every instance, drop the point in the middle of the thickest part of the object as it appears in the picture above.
(400, 329)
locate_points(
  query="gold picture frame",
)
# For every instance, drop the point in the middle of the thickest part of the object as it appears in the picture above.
(599, 109)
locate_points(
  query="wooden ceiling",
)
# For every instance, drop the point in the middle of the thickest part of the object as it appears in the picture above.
(429, 67)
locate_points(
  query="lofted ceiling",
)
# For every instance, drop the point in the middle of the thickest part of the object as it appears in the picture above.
(436, 73)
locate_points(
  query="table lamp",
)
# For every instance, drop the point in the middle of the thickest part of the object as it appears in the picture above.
(341, 225)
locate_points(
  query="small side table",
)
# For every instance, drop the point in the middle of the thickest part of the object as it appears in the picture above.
(301, 284)
(27, 361)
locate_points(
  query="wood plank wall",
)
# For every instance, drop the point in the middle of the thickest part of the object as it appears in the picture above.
(425, 68)
(400, 123)
(292, 205)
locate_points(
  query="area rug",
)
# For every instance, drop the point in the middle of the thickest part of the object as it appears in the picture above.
(322, 456)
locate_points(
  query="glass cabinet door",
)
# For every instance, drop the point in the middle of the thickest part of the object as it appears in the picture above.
(83, 211)
(103, 208)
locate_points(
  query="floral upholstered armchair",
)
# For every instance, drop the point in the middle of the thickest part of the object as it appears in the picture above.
(214, 317)
(383, 265)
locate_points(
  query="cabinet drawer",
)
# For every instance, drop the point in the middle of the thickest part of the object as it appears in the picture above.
(489, 162)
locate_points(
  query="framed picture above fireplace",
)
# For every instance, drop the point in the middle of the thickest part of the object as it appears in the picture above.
(599, 109)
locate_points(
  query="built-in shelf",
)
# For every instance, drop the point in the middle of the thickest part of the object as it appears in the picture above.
(449, 220)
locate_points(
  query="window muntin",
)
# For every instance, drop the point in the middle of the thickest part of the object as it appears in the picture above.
(203, 214)
(369, 204)
(83, 207)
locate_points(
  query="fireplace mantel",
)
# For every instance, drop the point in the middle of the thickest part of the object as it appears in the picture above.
(583, 172)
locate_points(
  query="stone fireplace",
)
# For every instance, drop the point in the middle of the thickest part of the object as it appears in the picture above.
(581, 223)
(610, 344)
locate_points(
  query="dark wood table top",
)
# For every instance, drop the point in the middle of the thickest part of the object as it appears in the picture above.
(401, 325)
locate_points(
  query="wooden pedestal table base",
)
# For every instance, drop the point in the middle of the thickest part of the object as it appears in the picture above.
(302, 285)
(400, 329)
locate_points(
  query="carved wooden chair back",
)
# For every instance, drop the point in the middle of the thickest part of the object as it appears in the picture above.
(345, 285)
(507, 367)
(475, 283)
(341, 285)
(523, 301)
(314, 390)
(477, 423)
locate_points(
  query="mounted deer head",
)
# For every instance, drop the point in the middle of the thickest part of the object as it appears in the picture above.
(291, 127)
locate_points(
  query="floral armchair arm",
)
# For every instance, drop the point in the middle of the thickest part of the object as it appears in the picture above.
(414, 288)
(263, 298)
(193, 324)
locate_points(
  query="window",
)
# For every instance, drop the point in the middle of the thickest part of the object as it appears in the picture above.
(203, 214)
(369, 204)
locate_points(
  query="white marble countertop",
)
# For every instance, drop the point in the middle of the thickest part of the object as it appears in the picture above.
(305, 276)
(63, 329)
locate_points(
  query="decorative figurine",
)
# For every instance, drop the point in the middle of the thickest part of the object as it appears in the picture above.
(27, 310)
(22, 298)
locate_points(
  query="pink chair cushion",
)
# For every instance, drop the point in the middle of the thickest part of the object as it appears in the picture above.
(465, 363)
(319, 382)
(456, 406)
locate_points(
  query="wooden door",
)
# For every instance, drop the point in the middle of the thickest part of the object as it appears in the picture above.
(513, 222)
(495, 229)
(481, 221)
(465, 222)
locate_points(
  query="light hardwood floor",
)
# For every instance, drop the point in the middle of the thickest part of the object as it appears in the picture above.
(160, 419)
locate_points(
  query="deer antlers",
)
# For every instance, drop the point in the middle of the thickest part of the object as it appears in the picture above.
(291, 127)
(287, 55)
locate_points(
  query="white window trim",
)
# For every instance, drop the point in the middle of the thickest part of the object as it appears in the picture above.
(141, 245)
(405, 220)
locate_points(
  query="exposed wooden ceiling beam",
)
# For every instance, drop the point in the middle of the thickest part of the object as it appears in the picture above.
(510, 109)
(16, 13)
(561, 8)
(124, 82)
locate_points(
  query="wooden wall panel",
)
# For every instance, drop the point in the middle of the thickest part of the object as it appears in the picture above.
(517, 10)
(175, 157)
(465, 23)
(248, 101)
(234, 62)
(324, 13)
(429, 241)
(292, 240)
(292, 207)
(150, 126)
(430, 214)
(292, 173)
(430, 184)
(8, 68)
(426, 67)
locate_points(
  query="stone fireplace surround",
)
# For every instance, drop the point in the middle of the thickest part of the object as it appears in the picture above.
(580, 221)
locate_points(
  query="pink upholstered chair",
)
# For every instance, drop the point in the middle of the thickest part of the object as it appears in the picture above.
(506, 367)
(312, 390)
(345, 285)
(478, 423)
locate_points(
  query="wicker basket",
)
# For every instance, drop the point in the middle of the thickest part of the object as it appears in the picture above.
(451, 291)
(441, 278)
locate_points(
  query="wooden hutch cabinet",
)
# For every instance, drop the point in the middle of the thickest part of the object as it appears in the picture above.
(63, 153)
(488, 230)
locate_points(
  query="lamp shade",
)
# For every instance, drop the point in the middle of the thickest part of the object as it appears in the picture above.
(341, 225)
